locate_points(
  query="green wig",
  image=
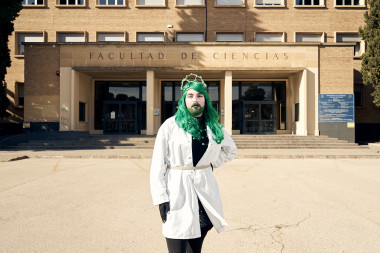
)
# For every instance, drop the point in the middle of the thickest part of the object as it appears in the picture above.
(190, 124)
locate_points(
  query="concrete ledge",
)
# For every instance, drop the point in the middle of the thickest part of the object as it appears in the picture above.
(374, 145)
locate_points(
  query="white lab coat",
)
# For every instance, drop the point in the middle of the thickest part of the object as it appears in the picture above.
(173, 147)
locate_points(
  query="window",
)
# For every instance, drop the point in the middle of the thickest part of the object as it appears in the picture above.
(33, 2)
(190, 2)
(150, 37)
(20, 94)
(352, 37)
(71, 2)
(269, 2)
(111, 2)
(151, 2)
(309, 2)
(349, 2)
(358, 91)
(229, 37)
(28, 37)
(229, 2)
(306, 37)
(110, 37)
(296, 112)
(190, 37)
(71, 37)
(82, 111)
(269, 37)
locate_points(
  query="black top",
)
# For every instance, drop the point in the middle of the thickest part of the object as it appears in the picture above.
(199, 147)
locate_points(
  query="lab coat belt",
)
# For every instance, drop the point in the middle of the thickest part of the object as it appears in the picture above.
(189, 168)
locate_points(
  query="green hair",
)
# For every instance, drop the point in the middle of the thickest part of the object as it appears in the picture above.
(190, 124)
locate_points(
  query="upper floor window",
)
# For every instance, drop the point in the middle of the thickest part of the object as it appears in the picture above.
(33, 2)
(309, 37)
(309, 2)
(150, 37)
(28, 37)
(151, 2)
(190, 2)
(269, 2)
(352, 37)
(71, 37)
(110, 37)
(349, 2)
(229, 37)
(110, 2)
(229, 2)
(269, 37)
(71, 2)
(190, 37)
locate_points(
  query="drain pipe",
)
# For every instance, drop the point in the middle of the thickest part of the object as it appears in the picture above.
(206, 21)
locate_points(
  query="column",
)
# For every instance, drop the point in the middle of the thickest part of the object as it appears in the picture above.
(150, 102)
(65, 97)
(302, 127)
(228, 101)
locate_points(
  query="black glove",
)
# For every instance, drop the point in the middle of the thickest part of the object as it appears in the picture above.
(164, 209)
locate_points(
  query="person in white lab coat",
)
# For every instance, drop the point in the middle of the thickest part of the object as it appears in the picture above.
(188, 147)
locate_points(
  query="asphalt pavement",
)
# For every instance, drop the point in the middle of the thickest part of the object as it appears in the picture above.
(61, 204)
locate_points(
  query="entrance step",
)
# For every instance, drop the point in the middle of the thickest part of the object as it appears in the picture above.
(141, 146)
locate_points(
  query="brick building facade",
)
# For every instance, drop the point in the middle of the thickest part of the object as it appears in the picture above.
(114, 66)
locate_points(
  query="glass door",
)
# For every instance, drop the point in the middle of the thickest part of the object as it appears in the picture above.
(119, 105)
(251, 118)
(111, 118)
(268, 118)
(120, 118)
(258, 107)
(128, 118)
(259, 117)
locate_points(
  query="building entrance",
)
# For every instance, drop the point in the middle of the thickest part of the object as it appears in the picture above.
(120, 117)
(258, 107)
(120, 107)
(259, 117)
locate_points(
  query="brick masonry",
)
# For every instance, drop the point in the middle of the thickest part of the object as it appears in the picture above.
(335, 62)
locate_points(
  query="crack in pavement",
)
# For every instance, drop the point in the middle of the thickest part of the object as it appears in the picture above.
(275, 234)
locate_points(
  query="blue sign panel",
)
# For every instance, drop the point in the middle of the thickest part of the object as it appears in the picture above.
(336, 108)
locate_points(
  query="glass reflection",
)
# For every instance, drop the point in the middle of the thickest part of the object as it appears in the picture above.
(125, 100)
(269, 100)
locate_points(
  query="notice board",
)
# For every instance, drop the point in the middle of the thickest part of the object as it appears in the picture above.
(336, 108)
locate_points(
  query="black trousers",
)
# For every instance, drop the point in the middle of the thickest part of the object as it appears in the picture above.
(188, 245)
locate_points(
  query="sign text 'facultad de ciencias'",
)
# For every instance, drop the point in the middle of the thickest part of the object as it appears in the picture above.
(187, 56)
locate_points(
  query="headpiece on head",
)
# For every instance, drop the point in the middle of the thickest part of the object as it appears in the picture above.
(185, 82)
(187, 122)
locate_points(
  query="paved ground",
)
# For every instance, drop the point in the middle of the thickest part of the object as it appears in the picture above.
(271, 205)
(357, 153)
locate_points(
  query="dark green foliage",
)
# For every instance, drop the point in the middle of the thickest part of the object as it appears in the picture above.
(9, 10)
(371, 58)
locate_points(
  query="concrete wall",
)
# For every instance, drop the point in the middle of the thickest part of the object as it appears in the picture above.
(338, 130)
